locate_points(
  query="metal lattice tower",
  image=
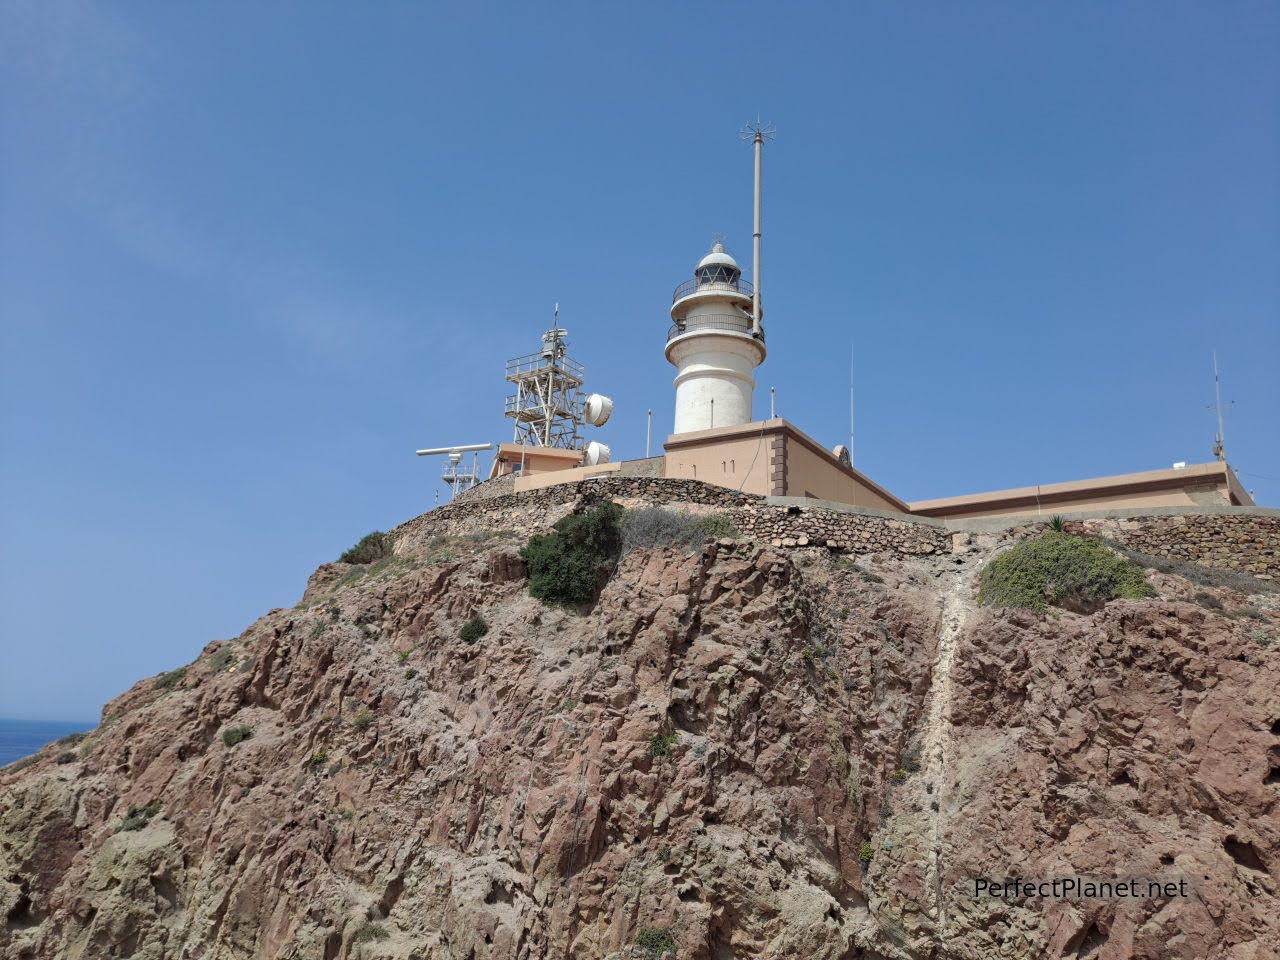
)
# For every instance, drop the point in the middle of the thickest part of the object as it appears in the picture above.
(547, 407)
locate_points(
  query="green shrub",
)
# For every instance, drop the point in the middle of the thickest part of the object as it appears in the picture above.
(1056, 523)
(473, 630)
(21, 764)
(221, 658)
(898, 776)
(370, 932)
(660, 745)
(66, 756)
(139, 817)
(372, 546)
(233, 735)
(362, 720)
(567, 565)
(866, 852)
(657, 527)
(655, 941)
(1078, 573)
(167, 681)
(410, 673)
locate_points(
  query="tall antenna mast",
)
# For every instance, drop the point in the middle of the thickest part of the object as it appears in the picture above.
(1219, 442)
(851, 447)
(757, 133)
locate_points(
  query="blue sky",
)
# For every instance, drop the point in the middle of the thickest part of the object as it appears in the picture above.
(253, 255)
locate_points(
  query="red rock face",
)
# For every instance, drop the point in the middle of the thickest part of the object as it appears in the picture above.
(764, 753)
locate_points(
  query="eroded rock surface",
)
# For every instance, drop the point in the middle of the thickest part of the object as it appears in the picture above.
(768, 753)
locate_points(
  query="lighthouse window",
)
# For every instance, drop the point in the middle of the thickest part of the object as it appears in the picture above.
(717, 274)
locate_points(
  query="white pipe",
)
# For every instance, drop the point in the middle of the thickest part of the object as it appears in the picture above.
(648, 432)
(755, 269)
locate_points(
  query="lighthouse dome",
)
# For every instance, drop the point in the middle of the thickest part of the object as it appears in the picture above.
(718, 258)
(717, 267)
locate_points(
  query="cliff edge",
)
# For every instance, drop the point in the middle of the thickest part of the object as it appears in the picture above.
(744, 748)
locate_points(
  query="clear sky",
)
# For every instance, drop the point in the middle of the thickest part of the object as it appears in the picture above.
(252, 255)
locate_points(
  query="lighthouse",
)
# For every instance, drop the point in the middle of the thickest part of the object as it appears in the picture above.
(714, 344)
(716, 339)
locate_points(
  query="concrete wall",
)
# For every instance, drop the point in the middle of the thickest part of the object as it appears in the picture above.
(817, 473)
(772, 458)
(1204, 484)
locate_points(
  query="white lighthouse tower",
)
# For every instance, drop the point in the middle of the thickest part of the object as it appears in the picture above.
(713, 345)
(716, 339)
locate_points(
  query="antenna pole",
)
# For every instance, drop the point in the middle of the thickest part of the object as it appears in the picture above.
(851, 403)
(758, 141)
(771, 397)
(757, 133)
(648, 432)
(1219, 442)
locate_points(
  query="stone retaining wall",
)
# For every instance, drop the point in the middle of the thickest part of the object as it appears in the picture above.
(1245, 540)
(1233, 541)
(799, 526)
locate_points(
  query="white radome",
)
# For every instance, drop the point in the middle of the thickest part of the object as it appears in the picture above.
(597, 453)
(597, 410)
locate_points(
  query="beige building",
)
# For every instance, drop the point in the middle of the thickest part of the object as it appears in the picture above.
(1199, 484)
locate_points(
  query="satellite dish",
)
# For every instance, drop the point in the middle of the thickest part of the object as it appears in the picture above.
(597, 453)
(597, 410)
(841, 453)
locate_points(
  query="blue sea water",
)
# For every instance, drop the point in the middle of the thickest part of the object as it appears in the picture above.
(20, 738)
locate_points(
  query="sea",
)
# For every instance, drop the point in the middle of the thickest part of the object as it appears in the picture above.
(21, 738)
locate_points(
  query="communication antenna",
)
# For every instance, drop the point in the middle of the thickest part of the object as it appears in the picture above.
(1219, 441)
(548, 408)
(756, 134)
(851, 447)
(458, 475)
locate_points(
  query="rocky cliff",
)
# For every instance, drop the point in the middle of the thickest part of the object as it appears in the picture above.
(740, 751)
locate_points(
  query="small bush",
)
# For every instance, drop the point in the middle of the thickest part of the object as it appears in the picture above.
(372, 546)
(21, 764)
(233, 735)
(315, 762)
(473, 630)
(139, 817)
(660, 745)
(370, 932)
(1056, 524)
(167, 681)
(71, 739)
(410, 673)
(898, 776)
(866, 852)
(221, 658)
(66, 756)
(362, 721)
(567, 565)
(1078, 573)
(869, 577)
(655, 941)
(657, 527)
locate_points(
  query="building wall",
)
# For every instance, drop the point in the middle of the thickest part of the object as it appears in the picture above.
(772, 458)
(810, 474)
(731, 458)
(1205, 484)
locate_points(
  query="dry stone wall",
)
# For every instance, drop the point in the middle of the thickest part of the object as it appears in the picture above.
(796, 526)
(1249, 542)
(1245, 540)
